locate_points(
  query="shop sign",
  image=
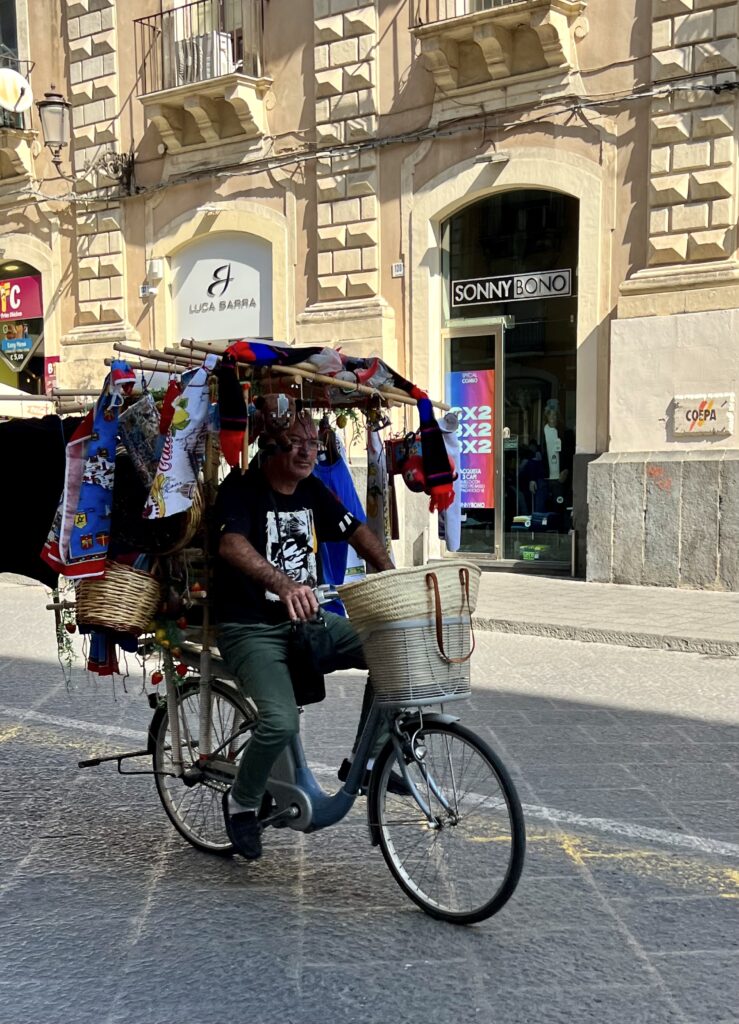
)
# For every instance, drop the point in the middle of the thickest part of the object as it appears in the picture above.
(19, 341)
(51, 364)
(471, 393)
(222, 288)
(479, 291)
(20, 298)
(697, 415)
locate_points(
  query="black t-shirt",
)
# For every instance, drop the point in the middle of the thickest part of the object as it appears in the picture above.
(247, 505)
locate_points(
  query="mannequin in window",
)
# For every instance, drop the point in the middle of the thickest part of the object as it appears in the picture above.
(552, 493)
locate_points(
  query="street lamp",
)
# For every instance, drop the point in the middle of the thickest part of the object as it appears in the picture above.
(53, 111)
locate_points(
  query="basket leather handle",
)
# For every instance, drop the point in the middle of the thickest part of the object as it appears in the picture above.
(432, 583)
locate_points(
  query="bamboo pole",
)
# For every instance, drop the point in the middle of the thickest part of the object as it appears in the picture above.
(386, 394)
(150, 366)
(63, 393)
(308, 372)
(26, 398)
(154, 354)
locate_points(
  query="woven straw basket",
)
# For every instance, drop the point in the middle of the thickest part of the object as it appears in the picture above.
(404, 594)
(416, 631)
(124, 599)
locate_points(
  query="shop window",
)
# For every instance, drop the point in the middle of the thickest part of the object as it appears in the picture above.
(511, 260)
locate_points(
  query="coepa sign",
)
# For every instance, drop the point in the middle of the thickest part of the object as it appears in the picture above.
(478, 291)
(695, 415)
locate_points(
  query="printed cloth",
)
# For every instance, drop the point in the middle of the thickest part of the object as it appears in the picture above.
(139, 432)
(378, 491)
(77, 545)
(175, 482)
(337, 478)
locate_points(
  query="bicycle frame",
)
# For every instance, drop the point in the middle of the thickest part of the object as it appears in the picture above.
(303, 805)
(293, 784)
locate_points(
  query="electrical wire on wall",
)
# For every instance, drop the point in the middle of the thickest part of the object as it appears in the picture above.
(544, 112)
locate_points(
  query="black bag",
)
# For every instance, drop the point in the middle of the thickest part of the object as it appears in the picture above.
(309, 653)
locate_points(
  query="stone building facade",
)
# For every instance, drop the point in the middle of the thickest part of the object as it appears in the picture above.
(529, 206)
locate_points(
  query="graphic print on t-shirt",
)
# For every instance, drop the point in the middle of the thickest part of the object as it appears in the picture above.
(292, 548)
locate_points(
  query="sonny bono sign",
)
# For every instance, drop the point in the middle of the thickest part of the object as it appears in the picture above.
(479, 291)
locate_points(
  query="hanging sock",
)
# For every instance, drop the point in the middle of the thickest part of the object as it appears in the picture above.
(102, 659)
(436, 467)
(231, 410)
(165, 417)
(450, 520)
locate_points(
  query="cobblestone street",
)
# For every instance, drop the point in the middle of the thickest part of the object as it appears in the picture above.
(626, 761)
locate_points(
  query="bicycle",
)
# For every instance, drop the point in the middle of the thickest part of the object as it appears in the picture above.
(453, 837)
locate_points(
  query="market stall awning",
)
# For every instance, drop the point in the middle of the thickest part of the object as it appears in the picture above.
(19, 404)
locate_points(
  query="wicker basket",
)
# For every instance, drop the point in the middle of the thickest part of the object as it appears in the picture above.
(407, 668)
(400, 594)
(124, 599)
(416, 631)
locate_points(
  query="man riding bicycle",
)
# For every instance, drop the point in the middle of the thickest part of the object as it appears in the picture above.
(271, 521)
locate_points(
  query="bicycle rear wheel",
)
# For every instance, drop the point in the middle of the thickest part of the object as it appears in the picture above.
(196, 810)
(462, 861)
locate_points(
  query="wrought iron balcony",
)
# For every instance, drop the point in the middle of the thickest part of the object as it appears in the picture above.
(481, 42)
(427, 11)
(200, 72)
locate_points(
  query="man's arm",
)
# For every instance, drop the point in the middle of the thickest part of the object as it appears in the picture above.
(368, 547)
(299, 599)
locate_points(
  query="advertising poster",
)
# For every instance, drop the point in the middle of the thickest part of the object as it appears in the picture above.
(471, 393)
(20, 298)
(50, 367)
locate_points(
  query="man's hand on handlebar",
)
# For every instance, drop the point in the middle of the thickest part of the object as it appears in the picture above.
(299, 600)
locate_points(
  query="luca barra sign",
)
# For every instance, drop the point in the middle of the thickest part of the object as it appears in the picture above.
(479, 291)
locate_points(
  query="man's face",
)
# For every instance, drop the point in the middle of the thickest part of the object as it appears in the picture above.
(298, 463)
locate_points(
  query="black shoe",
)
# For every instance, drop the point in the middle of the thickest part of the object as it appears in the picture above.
(395, 784)
(244, 830)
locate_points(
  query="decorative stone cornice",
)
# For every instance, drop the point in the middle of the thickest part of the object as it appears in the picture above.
(556, 25)
(16, 154)
(227, 108)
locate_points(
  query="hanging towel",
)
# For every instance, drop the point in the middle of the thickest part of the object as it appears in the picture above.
(175, 482)
(80, 535)
(378, 494)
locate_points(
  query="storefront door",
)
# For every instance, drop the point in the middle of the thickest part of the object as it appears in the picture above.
(516, 449)
(510, 339)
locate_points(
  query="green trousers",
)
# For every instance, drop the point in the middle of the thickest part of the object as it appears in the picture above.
(257, 655)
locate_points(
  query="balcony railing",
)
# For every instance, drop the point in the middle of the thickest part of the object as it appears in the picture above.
(198, 42)
(9, 119)
(427, 12)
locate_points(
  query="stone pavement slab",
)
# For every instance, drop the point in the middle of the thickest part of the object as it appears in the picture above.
(700, 621)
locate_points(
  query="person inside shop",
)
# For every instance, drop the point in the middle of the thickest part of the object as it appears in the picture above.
(270, 522)
(551, 492)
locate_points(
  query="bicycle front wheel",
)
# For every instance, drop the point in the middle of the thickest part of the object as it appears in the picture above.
(461, 857)
(196, 810)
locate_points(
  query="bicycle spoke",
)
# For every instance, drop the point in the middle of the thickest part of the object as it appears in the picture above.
(450, 865)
